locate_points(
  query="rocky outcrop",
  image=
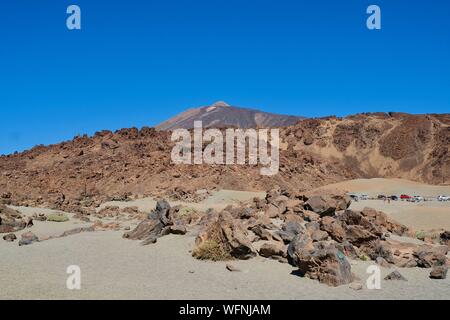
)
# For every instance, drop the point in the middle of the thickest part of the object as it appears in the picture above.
(229, 234)
(327, 204)
(439, 272)
(11, 220)
(319, 245)
(158, 224)
(321, 260)
(80, 174)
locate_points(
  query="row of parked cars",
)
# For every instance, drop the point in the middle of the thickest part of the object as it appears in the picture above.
(443, 198)
(405, 197)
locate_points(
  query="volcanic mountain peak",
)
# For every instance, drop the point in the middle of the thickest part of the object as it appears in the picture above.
(220, 114)
(220, 104)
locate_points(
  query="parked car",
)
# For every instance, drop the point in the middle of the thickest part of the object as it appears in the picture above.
(364, 197)
(405, 197)
(418, 199)
(393, 198)
(381, 197)
(443, 198)
(354, 197)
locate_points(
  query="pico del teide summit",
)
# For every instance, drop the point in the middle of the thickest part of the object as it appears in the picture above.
(222, 115)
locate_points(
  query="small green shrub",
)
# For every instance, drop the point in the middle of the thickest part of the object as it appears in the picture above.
(421, 235)
(364, 257)
(58, 217)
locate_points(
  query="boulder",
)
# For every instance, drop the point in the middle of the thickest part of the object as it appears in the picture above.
(356, 286)
(10, 220)
(7, 228)
(395, 276)
(439, 272)
(328, 204)
(28, 222)
(28, 238)
(428, 256)
(10, 237)
(290, 230)
(333, 228)
(232, 268)
(229, 235)
(158, 224)
(445, 238)
(262, 233)
(178, 229)
(320, 260)
(273, 250)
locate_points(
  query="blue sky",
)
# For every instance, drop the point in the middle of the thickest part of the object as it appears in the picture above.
(137, 63)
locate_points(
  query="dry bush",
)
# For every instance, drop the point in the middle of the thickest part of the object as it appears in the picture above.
(211, 250)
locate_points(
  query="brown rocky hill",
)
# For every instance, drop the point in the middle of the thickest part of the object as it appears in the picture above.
(314, 152)
(222, 115)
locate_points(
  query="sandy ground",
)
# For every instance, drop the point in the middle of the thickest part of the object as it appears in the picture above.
(420, 216)
(115, 268)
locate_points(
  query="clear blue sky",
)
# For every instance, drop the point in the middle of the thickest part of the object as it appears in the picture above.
(136, 63)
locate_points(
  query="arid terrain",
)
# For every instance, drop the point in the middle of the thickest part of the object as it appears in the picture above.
(141, 227)
(314, 153)
(114, 268)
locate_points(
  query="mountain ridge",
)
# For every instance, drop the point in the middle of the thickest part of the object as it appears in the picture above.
(222, 115)
(314, 153)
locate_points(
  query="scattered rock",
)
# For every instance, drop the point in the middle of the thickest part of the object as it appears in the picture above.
(395, 276)
(177, 229)
(232, 268)
(28, 238)
(76, 231)
(158, 224)
(429, 256)
(11, 237)
(328, 204)
(356, 286)
(320, 260)
(445, 238)
(273, 250)
(28, 222)
(439, 272)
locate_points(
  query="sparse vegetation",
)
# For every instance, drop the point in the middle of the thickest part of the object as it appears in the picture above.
(363, 257)
(186, 211)
(58, 217)
(211, 250)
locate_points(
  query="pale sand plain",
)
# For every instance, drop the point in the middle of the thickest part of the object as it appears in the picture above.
(115, 268)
